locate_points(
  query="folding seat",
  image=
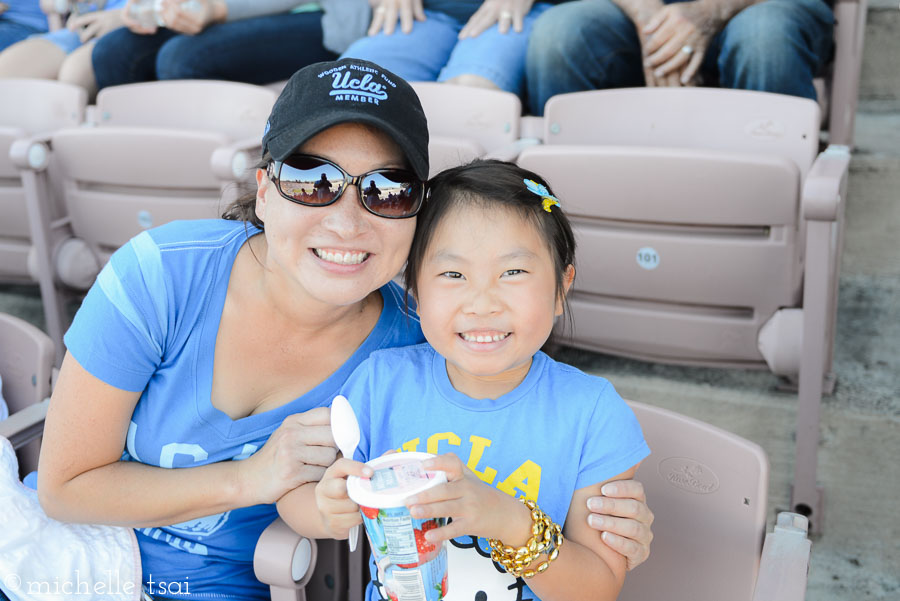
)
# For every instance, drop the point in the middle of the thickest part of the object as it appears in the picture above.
(709, 234)
(707, 488)
(26, 368)
(158, 151)
(465, 123)
(30, 110)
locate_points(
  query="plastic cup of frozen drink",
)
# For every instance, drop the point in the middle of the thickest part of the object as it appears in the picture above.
(409, 567)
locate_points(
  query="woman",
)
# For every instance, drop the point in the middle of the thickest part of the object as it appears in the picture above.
(216, 346)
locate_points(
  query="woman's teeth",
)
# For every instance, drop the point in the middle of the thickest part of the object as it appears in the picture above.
(482, 337)
(350, 258)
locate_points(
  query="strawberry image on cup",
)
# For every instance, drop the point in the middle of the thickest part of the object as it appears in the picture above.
(409, 566)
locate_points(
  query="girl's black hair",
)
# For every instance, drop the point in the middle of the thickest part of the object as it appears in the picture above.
(489, 184)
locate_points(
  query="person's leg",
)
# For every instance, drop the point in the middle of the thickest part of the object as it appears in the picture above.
(493, 59)
(12, 32)
(35, 57)
(121, 56)
(416, 56)
(78, 70)
(776, 46)
(259, 50)
(581, 45)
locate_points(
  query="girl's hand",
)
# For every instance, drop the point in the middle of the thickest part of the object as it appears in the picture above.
(386, 12)
(297, 452)
(339, 512)
(477, 508)
(623, 517)
(192, 16)
(673, 30)
(502, 12)
(95, 24)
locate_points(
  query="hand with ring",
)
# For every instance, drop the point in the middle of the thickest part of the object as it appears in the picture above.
(679, 35)
(386, 12)
(504, 13)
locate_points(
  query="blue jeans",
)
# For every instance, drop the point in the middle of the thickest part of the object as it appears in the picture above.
(432, 51)
(258, 50)
(12, 32)
(775, 46)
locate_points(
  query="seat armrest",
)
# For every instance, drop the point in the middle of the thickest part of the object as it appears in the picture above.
(785, 560)
(824, 182)
(230, 163)
(32, 152)
(24, 425)
(284, 559)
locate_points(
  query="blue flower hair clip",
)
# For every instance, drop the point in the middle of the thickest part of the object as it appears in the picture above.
(543, 192)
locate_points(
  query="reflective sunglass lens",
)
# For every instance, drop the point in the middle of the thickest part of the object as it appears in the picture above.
(310, 181)
(391, 194)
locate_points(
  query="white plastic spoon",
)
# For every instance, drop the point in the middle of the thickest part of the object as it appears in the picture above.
(345, 430)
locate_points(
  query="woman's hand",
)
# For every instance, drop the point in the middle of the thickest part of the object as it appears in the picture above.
(502, 12)
(299, 451)
(339, 512)
(679, 35)
(623, 517)
(192, 16)
(476, 508)
(386, 12)
(95, 24)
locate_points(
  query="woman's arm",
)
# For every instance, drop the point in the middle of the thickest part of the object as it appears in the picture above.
(82, 479)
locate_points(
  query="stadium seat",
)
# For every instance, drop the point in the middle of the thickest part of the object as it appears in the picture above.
(30, 110)
(710, 233)
(26, 368)
(465, 123)
(157, 152)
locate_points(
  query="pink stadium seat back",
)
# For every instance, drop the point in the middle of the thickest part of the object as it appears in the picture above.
(155, 152)
(28, 107)
(26, 368)
(700, 240)
(707, 489)
(465, 123)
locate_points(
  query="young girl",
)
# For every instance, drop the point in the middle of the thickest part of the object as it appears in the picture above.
(489, 267)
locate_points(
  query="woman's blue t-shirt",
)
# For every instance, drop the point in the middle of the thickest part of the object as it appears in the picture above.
(149, 324)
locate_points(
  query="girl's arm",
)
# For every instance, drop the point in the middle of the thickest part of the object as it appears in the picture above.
(82, 479)
(323, 509)
(585, 569)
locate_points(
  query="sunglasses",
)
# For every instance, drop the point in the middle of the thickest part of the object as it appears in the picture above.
(316, 182)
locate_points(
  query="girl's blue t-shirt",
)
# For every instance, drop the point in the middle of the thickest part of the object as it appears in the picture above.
(558, 431)
(149, 324)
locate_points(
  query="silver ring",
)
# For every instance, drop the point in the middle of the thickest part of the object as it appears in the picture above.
(687, 49)
(505, 14)
(380, 9)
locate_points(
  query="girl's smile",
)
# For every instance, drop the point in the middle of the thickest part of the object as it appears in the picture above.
(487, 297)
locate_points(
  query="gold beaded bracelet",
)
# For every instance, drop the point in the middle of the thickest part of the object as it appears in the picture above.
(545, 534)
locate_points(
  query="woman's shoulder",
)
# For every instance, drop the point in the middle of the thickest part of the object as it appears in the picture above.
(200, 233)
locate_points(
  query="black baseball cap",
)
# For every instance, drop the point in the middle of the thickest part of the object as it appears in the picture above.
(324, 94)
